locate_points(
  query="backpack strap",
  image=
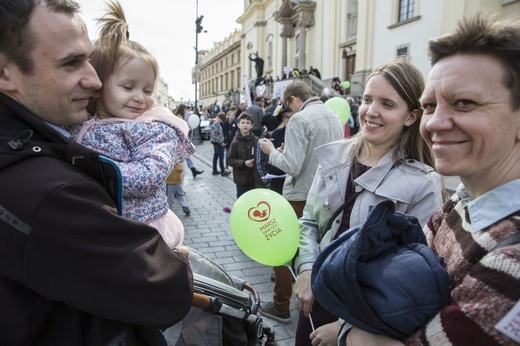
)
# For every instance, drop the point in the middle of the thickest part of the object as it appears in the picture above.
(349, 200)
(511, 240)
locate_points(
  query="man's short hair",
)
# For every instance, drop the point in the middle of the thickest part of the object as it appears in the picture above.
(297, 89)
(245, 116)
(258, 99)
(221, 116)
(233, 108)
(485, 35)
(16, 39)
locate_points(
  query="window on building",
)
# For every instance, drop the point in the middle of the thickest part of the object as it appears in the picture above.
(227, 81)
(232, 75)
(239, 78)
(232, 59)
(227, 62)
(402, 50)
(221, 82)
(352, 19)
(406, 9)
(221, 65)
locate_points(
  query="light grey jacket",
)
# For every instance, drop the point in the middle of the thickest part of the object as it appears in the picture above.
(415, 187)
(311, 127)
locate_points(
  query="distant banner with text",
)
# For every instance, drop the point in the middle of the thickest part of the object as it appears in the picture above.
(247, 91)
(279, 87)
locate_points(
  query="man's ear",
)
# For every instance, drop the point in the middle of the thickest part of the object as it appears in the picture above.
(7, 72)
(412, 118)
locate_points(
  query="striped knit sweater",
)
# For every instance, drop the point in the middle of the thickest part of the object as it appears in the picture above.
(485, 286)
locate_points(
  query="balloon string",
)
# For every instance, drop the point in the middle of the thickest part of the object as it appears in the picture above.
(294, 277)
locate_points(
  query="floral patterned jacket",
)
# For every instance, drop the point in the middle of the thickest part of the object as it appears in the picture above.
(146, 149)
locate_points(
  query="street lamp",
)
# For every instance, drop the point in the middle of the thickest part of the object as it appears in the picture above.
(197, 137)
(198, 30)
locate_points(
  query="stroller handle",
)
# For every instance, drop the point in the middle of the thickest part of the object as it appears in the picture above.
(256, 297)
(206, 303)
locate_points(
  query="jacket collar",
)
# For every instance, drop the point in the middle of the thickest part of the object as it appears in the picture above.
(372, 181)
(310, 101)
(248, 137)
(330, 157)
(21, 117)
(24, 135)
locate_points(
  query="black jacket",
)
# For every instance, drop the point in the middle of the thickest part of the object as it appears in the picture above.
(242, 149)
(72, 271)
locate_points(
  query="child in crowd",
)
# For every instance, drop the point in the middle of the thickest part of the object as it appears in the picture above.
(174, 188)
(145, 142)
(241, 156)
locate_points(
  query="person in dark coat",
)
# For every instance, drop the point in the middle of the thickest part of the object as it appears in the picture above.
(269, 119)
(283, 114)
(229, 127)
(242, 156)
(72, 270)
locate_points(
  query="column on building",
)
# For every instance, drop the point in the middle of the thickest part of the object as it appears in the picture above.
(305, 20)
(287, 31)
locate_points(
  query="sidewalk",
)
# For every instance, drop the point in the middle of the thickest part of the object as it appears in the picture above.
(207, 230)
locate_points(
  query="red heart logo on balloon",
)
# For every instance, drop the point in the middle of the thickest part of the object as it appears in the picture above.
(260, 213)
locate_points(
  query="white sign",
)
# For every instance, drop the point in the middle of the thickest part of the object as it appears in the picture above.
(247, 91)
(279, 87)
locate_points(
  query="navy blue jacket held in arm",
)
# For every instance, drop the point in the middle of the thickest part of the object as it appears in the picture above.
(382, 277)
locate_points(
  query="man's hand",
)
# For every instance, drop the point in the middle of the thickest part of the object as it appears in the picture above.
(266, 146)
(249, 163)
(326, 334)
(303, 292)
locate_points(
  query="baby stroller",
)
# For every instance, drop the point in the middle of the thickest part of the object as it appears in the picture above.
(222, 313)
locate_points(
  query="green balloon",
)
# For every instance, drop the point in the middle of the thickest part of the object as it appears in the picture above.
(265, 227)
(345, 84)
(340, 106)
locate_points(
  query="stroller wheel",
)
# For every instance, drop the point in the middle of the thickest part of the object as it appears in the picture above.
(255, 330)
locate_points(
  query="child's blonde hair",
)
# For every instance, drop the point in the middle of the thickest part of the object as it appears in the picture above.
(114, 46)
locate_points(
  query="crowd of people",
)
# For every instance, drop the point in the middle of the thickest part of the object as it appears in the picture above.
(92, 253)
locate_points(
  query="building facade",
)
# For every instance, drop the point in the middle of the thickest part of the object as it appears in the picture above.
(161, 93)
(220, 71)
(346, 39)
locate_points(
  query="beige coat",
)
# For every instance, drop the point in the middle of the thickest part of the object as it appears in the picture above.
(415, 188)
